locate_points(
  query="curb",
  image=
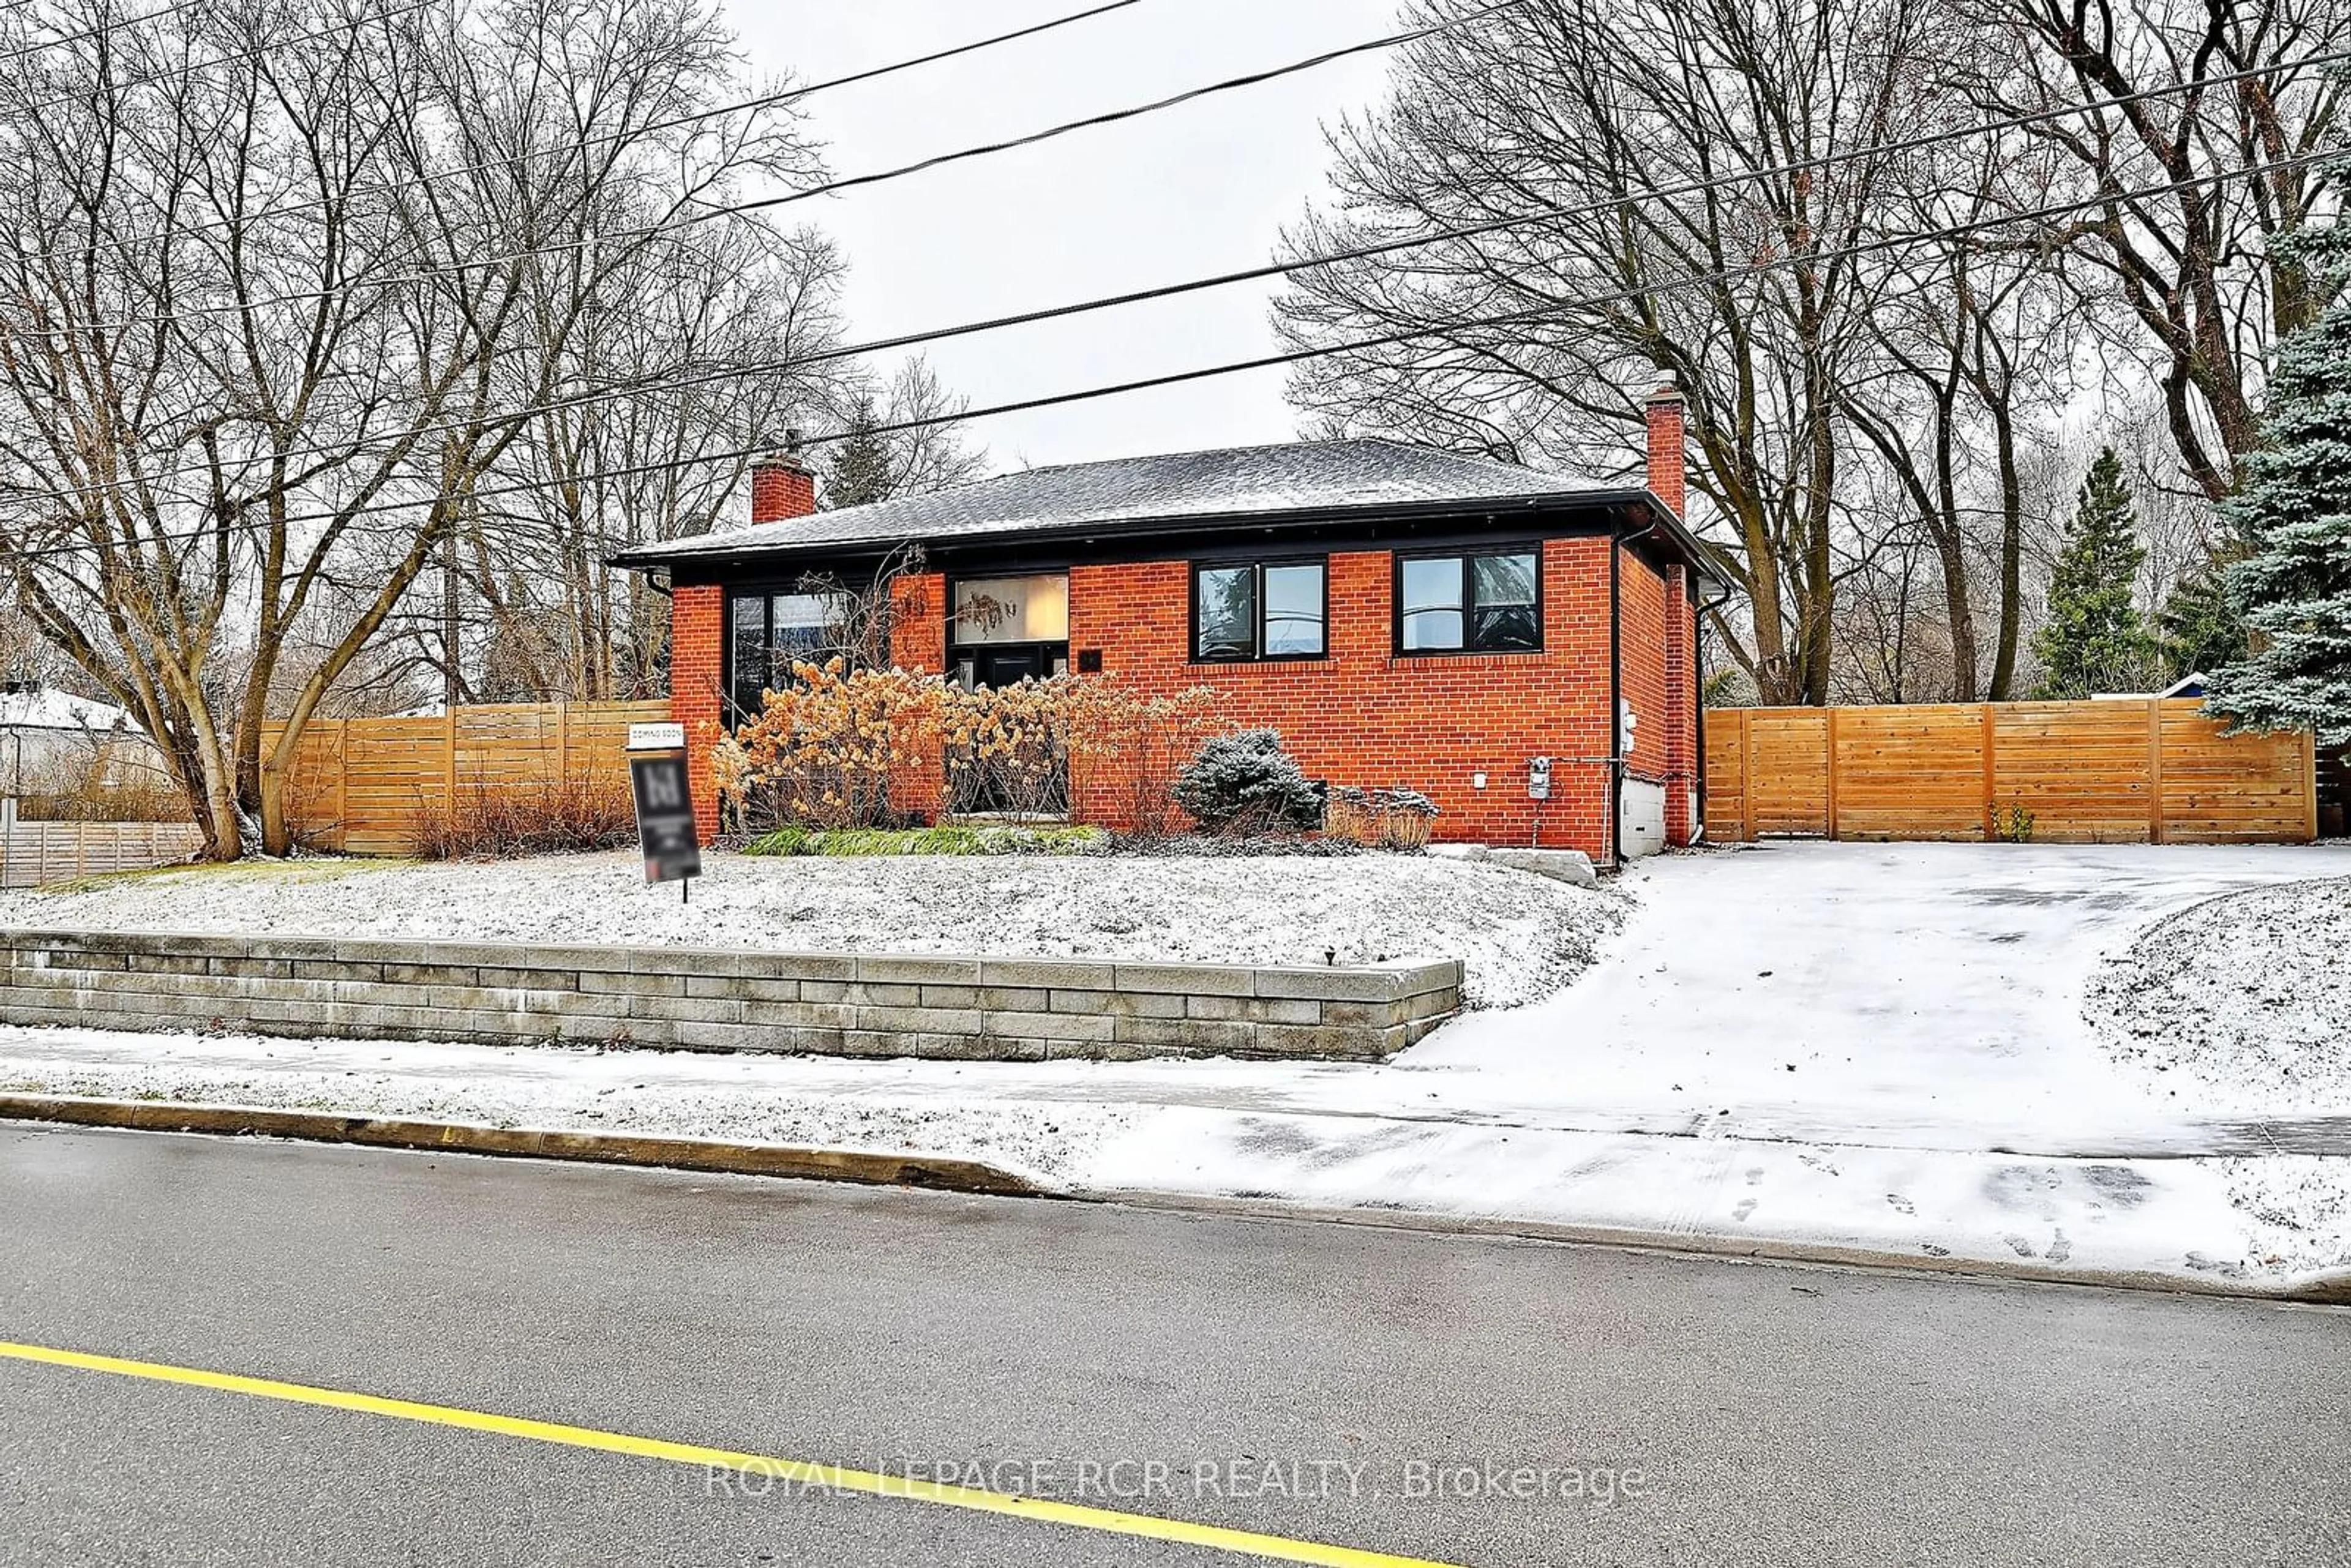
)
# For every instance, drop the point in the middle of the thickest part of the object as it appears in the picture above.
(943, 1174)
(933, 1172)
(2327, 1289)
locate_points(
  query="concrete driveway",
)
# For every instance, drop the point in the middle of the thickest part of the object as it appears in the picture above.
(1911, 995)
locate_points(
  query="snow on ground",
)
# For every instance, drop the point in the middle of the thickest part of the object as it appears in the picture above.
(1947, 1097)
(731, 1098)
(2246, 999)
(1915, 994)
(1520, 936)
(2158, 1216)
(2298, 1207)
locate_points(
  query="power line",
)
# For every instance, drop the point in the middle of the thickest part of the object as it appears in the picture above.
(352, 24)
(1273, 269)
(763, 204)
(1292, 357)
(698, 117)
(101, 30)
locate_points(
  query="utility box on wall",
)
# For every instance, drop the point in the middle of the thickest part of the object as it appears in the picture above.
(1642, 815)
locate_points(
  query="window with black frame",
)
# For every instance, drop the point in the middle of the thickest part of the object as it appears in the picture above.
(1471, 602)
(769, 633)
(1247, 611)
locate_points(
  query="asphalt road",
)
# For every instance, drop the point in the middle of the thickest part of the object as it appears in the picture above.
(1739, 1413)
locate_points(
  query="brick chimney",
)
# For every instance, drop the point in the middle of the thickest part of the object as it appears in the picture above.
(782, 486)
(1668, 463)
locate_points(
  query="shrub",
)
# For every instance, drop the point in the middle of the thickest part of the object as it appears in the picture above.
(102, 778)
(1008, 747)
(823, 752)
(1132, 746)
(950, 840)
(1381, 819)
(570, 815)
(1246, 783)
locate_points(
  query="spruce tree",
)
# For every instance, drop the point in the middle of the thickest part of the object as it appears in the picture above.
(2093, 640)
(2294, 508)
(2200, 626)
(860, 469)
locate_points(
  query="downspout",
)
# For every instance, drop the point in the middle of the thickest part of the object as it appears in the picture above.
(1617, 541)
(1699, 612)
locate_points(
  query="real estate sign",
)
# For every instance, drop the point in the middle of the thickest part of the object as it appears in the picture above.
(665, 816)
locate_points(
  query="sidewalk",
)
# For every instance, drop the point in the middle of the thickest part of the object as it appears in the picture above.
(1838, 1048)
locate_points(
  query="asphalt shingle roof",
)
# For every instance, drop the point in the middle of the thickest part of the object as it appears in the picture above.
(1248, 481)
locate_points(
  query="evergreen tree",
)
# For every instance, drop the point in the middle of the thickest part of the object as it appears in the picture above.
(2093, 640)
(2294, 508)
(861, 461)
(2201, 625)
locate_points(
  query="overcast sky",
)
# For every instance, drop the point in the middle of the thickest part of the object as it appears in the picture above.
(1198, 189)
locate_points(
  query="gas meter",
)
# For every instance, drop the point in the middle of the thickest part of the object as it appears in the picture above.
(1538, 778)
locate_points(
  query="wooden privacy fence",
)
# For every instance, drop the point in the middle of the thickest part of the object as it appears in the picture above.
(366, 785)
(34, 852)
(2129, 771)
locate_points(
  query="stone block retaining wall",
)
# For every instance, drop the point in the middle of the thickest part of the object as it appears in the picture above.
(1015, 1009)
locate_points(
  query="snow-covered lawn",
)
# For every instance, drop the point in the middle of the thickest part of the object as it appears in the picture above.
(1520, 936)
(2244, 1001)
(1878, 1047)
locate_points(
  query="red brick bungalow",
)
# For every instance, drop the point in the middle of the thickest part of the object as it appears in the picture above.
(1403, 616)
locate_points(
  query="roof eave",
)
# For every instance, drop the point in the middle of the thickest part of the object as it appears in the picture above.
(1665, 519)
(648, 558)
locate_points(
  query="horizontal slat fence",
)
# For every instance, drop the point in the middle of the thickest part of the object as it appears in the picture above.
(2083, 772)
(33, 852)
(365, 785)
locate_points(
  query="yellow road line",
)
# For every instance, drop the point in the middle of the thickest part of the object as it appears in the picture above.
(1246, 1543)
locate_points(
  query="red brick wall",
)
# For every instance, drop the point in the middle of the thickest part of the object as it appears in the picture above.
(1660, 654)
(1642, 597)
(919, 641)
(782, 490)
(1668, 464)
(1362, 716)
(696, 627)
(1366, 716)
(1682, 762)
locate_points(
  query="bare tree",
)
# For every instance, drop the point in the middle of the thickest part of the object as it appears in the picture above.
(554, 620)
(2198, 185)
(1532, 116)
(276, 281)
(1965, 369)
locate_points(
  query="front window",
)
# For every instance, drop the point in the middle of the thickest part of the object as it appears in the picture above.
(1481, 602)
(1263, 609)
(769, 632)
(1006, 610)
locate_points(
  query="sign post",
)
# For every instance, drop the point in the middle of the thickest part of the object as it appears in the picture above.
(664, 802)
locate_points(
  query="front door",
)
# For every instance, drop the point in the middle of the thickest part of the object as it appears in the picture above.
(1009, 666)
(1031, 777)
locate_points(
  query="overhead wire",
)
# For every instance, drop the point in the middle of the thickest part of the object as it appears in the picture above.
(660, 384)
(697, 117)
(343, 517)
(101, 30)
(766, 204)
